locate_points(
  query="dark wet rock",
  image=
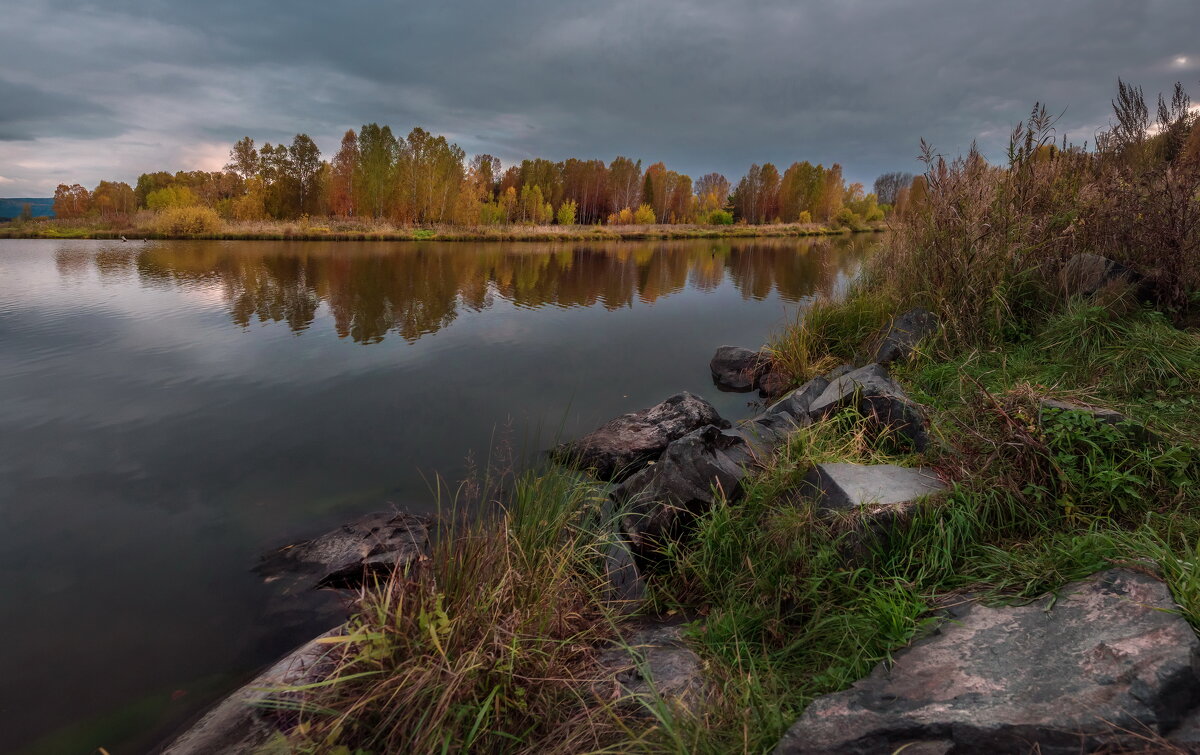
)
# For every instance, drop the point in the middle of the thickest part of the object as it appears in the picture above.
(797, 402)
(877, 397)
(250, 717)
(662, 500)
(1107, 663)
(896, 341)
(1187, 734)
(837, 372)
(868, 487)
(624, 445)
(653, 663)
(771, 427)
(737, 369)
(373, 545)
(774, 383)
(625, 584)
(1085, 274)
(767, 432)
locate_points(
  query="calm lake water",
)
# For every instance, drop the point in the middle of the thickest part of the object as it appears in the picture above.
(169, 411)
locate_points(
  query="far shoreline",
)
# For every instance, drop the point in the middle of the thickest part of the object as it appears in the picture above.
(315, 231)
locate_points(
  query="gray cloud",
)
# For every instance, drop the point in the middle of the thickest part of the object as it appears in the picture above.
(700, 84)
(30, 111)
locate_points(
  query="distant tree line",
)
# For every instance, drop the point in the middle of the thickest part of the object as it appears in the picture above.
(424, 179)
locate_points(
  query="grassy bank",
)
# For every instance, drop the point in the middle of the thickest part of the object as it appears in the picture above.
(494, 649)
(147, 225)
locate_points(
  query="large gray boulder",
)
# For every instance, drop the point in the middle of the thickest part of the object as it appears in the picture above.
(877, 397)
(1106, 665)
(371, 546)
(869, 487)
(624, 586)
(896, 341)
(624, 445)
(737, 369)
(251, 716)
(662, 500)
(652, 664)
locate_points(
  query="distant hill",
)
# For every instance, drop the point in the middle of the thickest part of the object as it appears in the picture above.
(10, 207)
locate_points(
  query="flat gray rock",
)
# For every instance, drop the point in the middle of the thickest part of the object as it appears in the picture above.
(653, 664)
(624, 445)
(848, 487)
(877, 397)
(841, 389)
(1106, 663)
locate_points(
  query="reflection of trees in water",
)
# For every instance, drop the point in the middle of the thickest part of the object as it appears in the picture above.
(415, 289)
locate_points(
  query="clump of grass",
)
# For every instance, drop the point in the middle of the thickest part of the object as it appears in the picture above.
(1124, 352)
(830, 332)
(486, 646)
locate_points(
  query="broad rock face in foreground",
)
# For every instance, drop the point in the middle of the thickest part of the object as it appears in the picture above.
(1108, 662)
(623, 445)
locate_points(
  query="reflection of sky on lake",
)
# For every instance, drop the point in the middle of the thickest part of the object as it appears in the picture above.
(169, 411)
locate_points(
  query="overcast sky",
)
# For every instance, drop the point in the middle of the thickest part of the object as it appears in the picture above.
(111, 89)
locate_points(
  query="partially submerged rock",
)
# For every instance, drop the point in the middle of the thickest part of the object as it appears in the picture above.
(896, 341)
(247, 719)
(1110, 664)
(375, 545)
(737, 369)
(624, 445)
(653, 664)
(869, 487)
(877, 397)
(660, 501)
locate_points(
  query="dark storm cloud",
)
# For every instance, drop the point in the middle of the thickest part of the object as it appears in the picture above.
(700, 84)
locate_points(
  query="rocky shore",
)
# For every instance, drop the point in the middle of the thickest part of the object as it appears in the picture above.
(1108, 663)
